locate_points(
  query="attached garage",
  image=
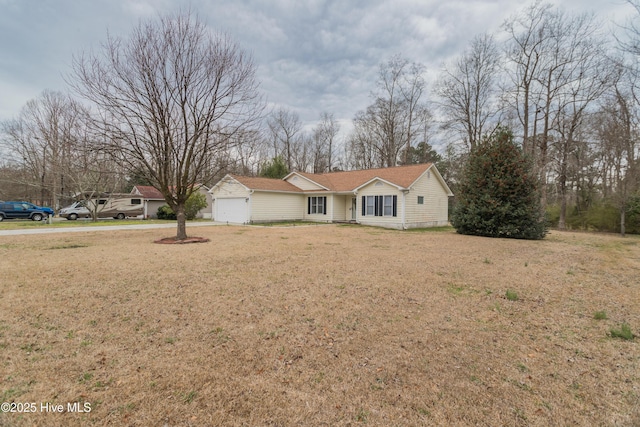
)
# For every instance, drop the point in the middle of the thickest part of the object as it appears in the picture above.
(248, 200)
(234, 210)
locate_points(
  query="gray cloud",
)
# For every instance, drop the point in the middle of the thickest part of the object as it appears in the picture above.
(312, 56)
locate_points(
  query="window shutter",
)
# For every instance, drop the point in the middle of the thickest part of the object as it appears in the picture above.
(364, 205)
(379, 205)
(308, 205)
(324, 205)
(395, 205)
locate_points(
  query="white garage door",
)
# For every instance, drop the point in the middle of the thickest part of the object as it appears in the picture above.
(231, 210)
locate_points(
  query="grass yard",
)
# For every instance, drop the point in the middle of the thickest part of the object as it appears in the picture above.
(320, 326)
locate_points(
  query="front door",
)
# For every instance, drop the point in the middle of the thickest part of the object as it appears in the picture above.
(353, 208)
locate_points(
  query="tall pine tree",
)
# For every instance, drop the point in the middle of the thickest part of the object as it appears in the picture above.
(276, 168)
(498, 195)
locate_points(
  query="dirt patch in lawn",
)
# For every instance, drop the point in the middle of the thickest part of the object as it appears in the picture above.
(329, 325)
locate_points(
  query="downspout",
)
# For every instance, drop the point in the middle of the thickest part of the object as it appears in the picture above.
(249, 217)
(355, 217)
(404, 208)
(213, 204)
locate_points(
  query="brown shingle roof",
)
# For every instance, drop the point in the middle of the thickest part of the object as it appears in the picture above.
(266, 184)
(402, 176)
(149, 192)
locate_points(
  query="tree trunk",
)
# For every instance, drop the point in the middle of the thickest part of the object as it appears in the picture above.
(562, 223)
(622, 219)
(182, 222)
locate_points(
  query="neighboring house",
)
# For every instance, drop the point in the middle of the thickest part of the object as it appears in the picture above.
(153, 199)
(399, 197)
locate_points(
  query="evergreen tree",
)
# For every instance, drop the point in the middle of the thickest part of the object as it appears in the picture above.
(498, 195)
(276, 168)
(422, 153)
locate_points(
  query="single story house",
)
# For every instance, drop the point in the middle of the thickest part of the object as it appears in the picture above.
(153, 199)
(399, 197)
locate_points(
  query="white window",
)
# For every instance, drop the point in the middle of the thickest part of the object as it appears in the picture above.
(388, 206)
(371, 204)
(317, 205)
(379, 205)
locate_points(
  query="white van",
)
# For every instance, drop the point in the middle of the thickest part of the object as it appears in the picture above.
(117, 206)
(75, 211)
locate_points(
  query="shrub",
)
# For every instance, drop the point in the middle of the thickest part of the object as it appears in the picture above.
(195, 202)
(165, 212)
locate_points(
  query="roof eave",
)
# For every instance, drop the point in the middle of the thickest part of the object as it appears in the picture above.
(377, 178)
(441, 179)
(278, 191)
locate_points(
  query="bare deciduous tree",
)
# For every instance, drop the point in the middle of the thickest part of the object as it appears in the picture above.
(587, 79)
(555, 64)
(170, 97)
(285, 127)
(617, 125)
(524, 52)
(468, 91)
(395, 121)
(323, 142)
(44, 139)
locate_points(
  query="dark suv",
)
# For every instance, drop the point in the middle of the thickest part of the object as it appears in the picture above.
(23, 210)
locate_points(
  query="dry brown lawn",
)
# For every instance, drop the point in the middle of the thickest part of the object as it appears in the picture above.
(320, 326)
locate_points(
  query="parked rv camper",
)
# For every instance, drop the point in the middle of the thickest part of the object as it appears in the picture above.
(117, 206)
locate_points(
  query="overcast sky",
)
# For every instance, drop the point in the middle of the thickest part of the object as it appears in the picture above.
(312, 56)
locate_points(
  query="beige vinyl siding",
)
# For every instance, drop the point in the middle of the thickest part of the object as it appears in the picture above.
(379, 188)
(230, 189)
(271, 206)
(434, 211)
(339, 208)
(303, 183)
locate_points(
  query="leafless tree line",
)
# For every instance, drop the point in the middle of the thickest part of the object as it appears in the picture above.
(51, 154)
(566, 86)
